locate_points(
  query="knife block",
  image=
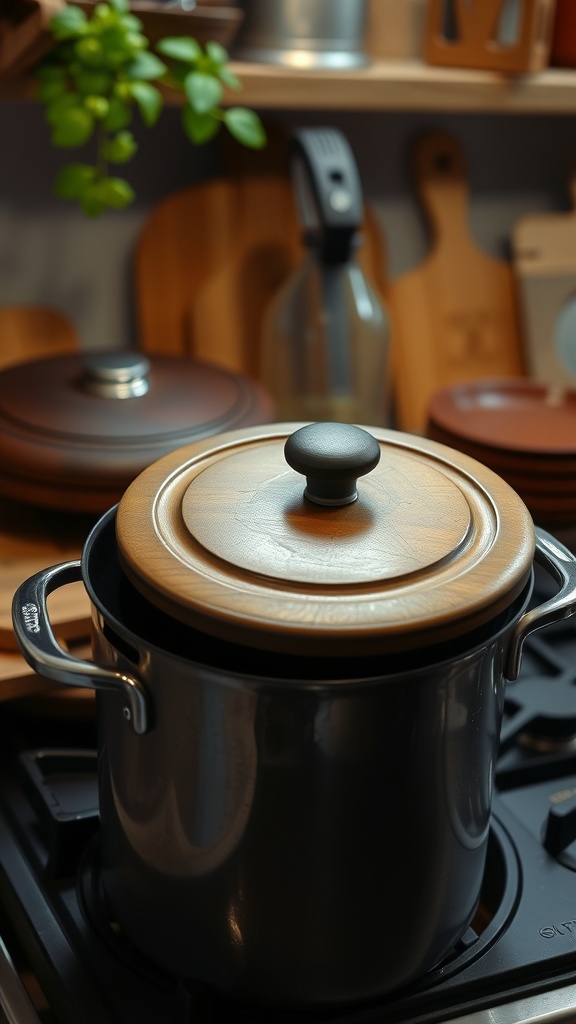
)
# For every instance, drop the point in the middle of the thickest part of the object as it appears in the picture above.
(513, 36)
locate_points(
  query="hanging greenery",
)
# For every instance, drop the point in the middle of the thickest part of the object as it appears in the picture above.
(101, 71)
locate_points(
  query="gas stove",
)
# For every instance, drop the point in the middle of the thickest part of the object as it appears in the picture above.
(63, 961)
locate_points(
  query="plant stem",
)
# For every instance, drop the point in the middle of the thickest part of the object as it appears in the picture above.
(102, 163)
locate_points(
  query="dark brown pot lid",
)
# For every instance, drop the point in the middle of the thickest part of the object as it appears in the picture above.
(562, 504)
(221, 535)
(504, 461)
(552, 488)
(94, 422)
(515, 415)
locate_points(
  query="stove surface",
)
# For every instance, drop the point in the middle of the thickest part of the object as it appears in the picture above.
(63, 962)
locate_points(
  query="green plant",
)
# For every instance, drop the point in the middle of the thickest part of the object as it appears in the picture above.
(101, 70)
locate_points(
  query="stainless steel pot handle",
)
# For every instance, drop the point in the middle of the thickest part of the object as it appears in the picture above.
(560, 563)
(42, 651)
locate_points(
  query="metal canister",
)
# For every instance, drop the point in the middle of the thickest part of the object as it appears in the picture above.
(303, 33)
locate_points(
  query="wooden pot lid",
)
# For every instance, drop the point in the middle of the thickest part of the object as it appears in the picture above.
(222, 536)
(76, 429)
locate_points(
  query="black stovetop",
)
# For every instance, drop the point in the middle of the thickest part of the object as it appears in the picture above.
(522, 945)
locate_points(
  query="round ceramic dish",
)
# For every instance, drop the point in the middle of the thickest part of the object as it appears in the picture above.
(523, 430)
(520, 417)
(545, 468)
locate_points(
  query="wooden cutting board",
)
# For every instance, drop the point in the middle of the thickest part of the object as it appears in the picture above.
(544, 257)
(454, 317)
(32, 539)
(17, 679)
(209, 259)
(34, 332)
(206, 260)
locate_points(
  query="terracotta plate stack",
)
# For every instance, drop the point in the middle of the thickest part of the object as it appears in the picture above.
(524, 430)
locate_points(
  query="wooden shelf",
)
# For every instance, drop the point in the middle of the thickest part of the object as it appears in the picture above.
(407, 85)
(393, 85)
(397, 79)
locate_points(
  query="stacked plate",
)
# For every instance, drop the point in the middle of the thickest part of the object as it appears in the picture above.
(524, 430)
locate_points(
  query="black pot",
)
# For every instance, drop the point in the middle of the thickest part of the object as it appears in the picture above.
(290, 829)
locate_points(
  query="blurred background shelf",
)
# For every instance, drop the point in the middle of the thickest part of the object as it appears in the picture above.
(396, 79)
(385, 85)
(408, 84)
(513, 129)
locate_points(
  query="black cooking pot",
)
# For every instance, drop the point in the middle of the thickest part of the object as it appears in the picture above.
(296, 774)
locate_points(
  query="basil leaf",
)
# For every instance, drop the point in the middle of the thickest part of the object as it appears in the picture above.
(199, 128)
(57, 107)
(180, 48)
(91, 203)
(69, 22)
(229, 78)
(93, 82)
(73, 128)
(73, 180)
(119, 115)
(149, 101)
(245, 126)
(217, 54)
(145, 66)
(116, 192)
(202, 91)
(121, 148)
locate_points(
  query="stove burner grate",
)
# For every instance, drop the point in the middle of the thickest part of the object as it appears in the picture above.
(541, 720)
(540, 707)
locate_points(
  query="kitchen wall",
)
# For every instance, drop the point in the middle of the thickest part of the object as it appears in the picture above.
(52, 255)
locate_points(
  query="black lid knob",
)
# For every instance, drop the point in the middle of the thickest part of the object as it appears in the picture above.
(331, 456)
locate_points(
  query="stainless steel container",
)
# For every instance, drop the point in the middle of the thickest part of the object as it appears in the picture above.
(303, 33)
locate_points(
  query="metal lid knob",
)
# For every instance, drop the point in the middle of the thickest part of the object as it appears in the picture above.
(331, 456)
(115, 375)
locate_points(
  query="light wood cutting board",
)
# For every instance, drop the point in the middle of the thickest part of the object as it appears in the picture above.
(544, 256)
(209, 259)
(454, 316)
